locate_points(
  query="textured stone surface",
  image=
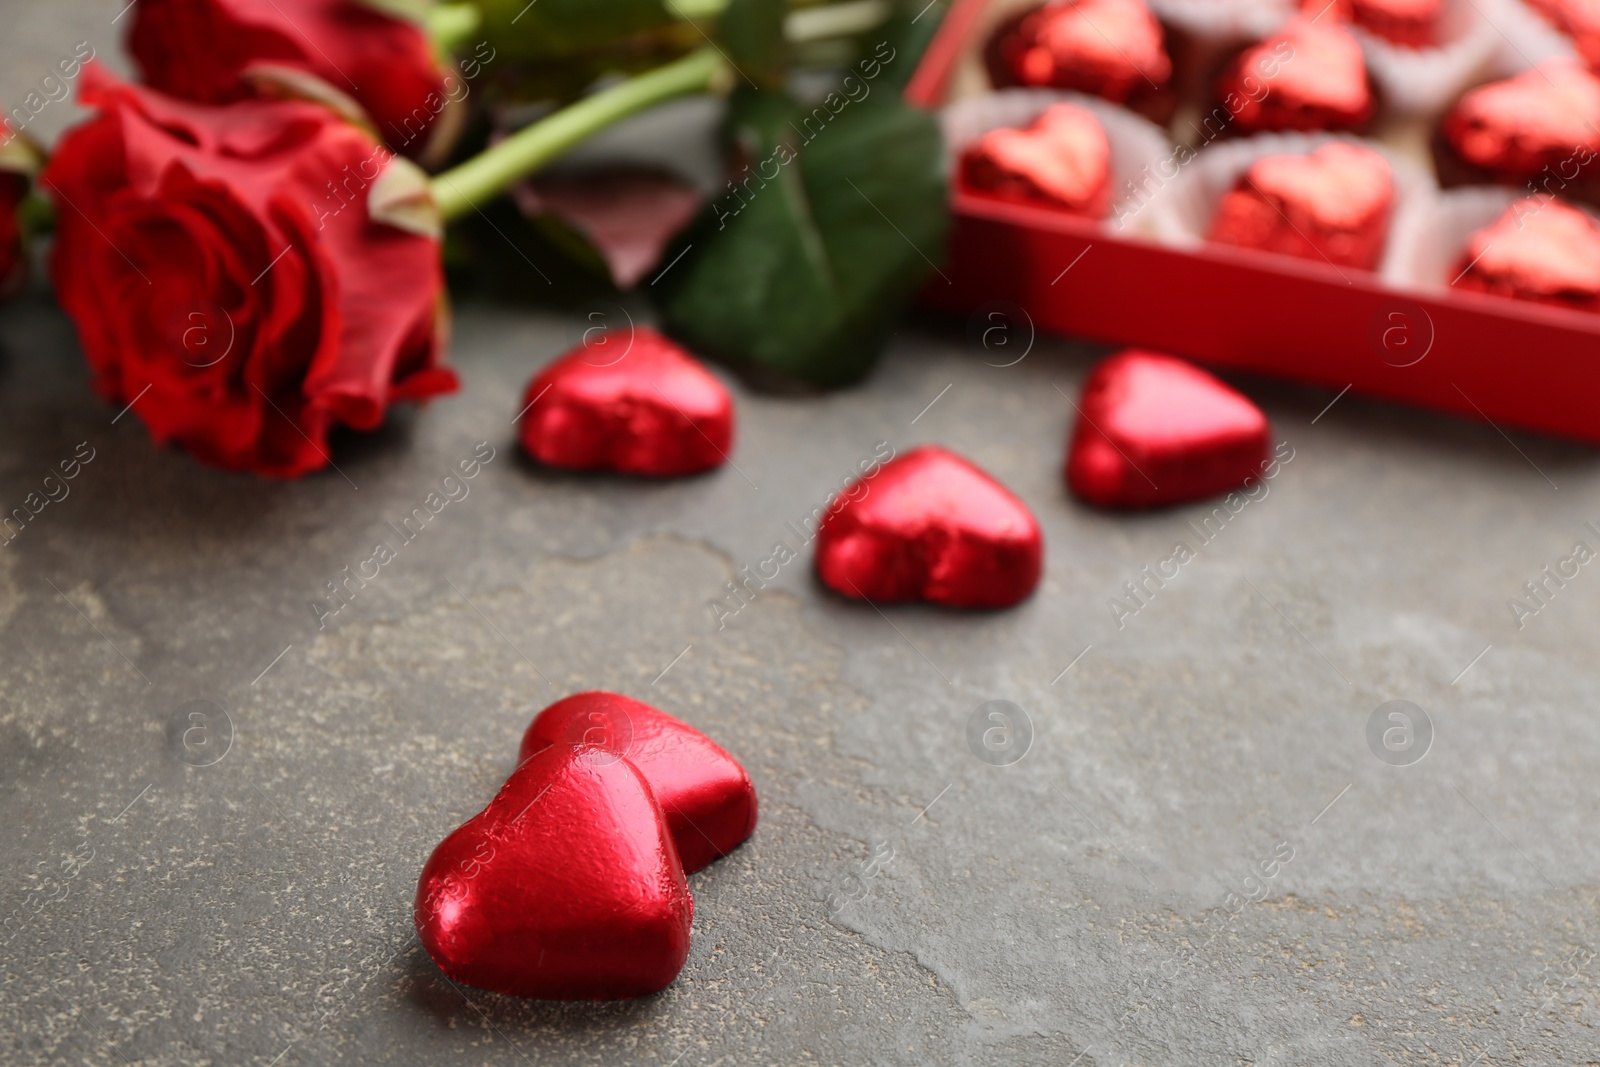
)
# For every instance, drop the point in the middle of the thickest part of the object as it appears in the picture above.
(1073, 902)
(1072, 907)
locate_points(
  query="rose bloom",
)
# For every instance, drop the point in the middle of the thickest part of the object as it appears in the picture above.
(207, 51)
(227, 280)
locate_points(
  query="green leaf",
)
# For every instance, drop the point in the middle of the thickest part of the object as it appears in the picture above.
(561, 27)
(910, 29)
(752, 35)
(806, 264)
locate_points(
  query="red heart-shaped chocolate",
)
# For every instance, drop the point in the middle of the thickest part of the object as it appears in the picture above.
(1332, 205)
(566, 887)
(931, 526)
(1543, 120)
(634, 403)
(1539, 249)
(1309, 76)
(1155, 430)
(1112, 48)
(1062, 159)
(1578, 19)
(1412, 23)
(708, 799)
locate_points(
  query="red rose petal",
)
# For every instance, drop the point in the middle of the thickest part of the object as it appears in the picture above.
(200, 50)
(709, 801)
(180, 220)
(1155, 430)
(1062, 159)
(1330, 206)
(566, 887)
(931, 526)
(649, 409)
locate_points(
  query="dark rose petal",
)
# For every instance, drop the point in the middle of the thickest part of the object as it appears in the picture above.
(627, 213)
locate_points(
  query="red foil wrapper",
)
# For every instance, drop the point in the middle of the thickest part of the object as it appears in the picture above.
(566, 887)
(1310, 76)
(1540, 249)
(931, 526)
(1110, 48)
(1333, 205)
(628, 401)
(1410, 23)
(1154, 430)
(1062, 159)
(707, 796)
(1541, 126)
(1578, 19)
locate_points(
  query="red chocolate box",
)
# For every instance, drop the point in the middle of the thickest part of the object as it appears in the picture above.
(1441, 347)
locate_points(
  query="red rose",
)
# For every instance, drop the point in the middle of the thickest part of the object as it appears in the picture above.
(207, 50)
(222, 290)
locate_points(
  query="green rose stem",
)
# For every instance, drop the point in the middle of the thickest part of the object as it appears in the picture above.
(694, 10)
(459, 191)
(803, 25)
(449, 26)
(834, 20)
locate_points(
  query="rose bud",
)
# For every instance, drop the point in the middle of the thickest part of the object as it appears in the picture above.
(1409, 23)
(1062, 160)
(1111, 48)
(1309, 76)
(1578, 19)
(342, 52)
(1542, 126)
(1332, 205)
(1539, 249)
(228, 280)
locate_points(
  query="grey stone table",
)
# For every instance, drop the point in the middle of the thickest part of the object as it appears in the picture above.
(1198, 858)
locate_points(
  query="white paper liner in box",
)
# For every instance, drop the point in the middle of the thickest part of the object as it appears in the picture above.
(1182, 212)
(1426, 81)
(1219, 22)
(1525, 39)
(1425, 253)
(1428, 252)
(1136, 143)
